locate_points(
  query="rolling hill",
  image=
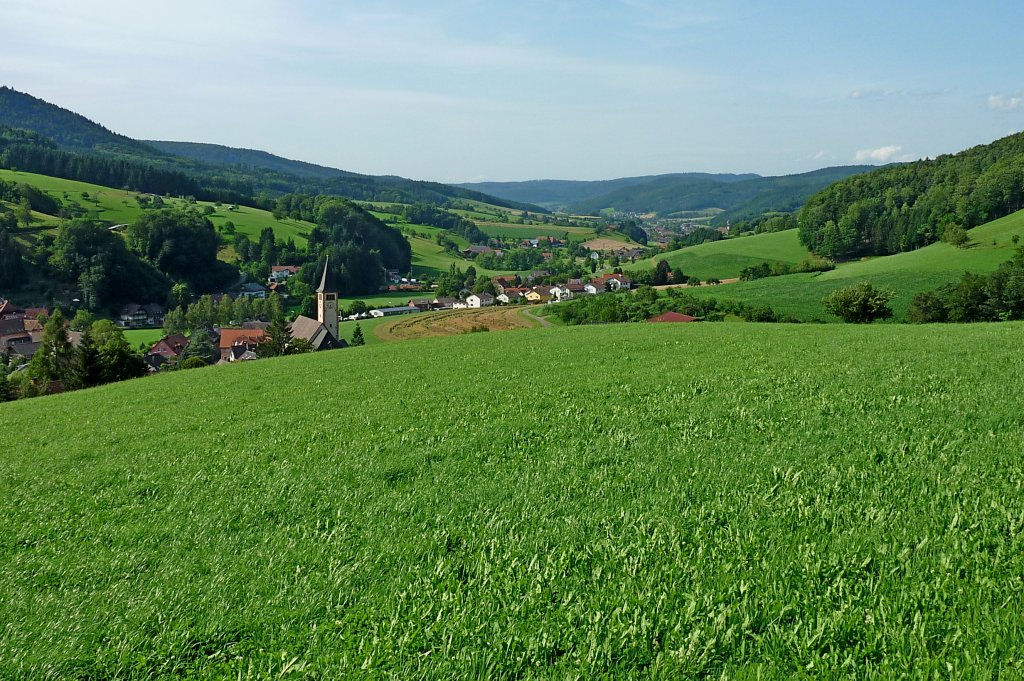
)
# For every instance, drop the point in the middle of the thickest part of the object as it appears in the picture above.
(243, 172)
(924, 269)
(725, 259)
(740, 196)
(562, 194)
(713, 500)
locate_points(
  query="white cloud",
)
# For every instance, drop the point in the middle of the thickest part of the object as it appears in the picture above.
(1003, 103)
(880, 155)
(820, 155)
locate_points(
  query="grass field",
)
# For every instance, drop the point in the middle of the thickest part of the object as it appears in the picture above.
(514, 231)
(119, 206)
(642, 501)
(724, 259)
(800, 295)
(147, 337)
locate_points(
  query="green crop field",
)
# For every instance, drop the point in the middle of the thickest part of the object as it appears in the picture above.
(119, 206)
(726, 258)
(800, 295)
(635, 501)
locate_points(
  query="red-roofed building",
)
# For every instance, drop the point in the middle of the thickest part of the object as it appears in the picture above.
(235, 339)
(170, 347)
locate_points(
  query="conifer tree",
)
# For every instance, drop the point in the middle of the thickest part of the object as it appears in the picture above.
(357, 337)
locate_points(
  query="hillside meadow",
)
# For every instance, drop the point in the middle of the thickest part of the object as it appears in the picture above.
(907, 273)
(120, 206)
(726, 258)
(636, 501)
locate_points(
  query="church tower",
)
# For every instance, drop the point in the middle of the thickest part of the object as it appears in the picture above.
(327, 301)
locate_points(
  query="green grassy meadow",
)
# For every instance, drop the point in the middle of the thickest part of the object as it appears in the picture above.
(146, 337)
(119, 206)
(726, 258)
(634, 501)
(906, 273)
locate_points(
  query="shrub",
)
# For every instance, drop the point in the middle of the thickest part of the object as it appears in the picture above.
(860, 304)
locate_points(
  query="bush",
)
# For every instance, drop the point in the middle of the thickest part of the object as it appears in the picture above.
(860, 304)
(192, 363)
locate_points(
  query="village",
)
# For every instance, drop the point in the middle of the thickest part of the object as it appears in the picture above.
(22, 329)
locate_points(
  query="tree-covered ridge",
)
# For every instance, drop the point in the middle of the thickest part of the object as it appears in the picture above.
(67, 128)
(742, 196)
(200, 170)
(903, 207)
(31, 152)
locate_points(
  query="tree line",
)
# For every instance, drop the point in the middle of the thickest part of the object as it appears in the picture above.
(975, 297)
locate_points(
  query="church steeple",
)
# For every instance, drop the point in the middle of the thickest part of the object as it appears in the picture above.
(326, 281)
(327, 301)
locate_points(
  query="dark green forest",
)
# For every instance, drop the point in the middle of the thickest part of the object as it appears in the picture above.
(907, 206)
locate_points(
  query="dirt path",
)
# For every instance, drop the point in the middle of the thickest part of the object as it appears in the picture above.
(540, 320)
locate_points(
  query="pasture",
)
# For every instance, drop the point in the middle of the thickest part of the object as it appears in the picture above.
(117, 206)
(908, 273)
(726, 258)
(636, 501)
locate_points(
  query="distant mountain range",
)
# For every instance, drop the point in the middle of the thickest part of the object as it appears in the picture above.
(217, 170)
(740, 196)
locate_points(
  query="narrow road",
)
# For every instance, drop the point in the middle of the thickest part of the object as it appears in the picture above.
(539, 320)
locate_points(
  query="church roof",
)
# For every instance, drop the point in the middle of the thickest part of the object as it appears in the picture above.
(327, 281)
(316, 333)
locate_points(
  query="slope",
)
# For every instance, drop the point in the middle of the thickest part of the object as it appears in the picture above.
(234, 174)
(725, 259)
(118, 206)
(907, 273)
(710, 501)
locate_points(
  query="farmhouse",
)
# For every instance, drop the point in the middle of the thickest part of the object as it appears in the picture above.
(281, 273)
(234, 343)
(169, 347)
(252, 290)
(422, 304)
(512, 295)
(444, 303)
(478, 300)
(539, 294)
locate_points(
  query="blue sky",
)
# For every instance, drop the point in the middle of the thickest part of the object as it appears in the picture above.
(464, 90)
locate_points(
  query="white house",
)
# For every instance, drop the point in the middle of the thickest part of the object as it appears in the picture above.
(478, 300)
(592, 289)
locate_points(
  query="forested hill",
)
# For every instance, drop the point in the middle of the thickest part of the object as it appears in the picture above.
(68, 129)
(741, 196)
(907, 206)
(566, 193)
(89, 152)
(217, 154)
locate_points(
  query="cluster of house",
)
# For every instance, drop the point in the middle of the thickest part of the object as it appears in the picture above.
(510, 294)
(21, 329)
